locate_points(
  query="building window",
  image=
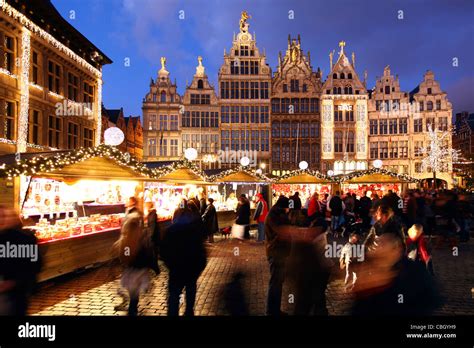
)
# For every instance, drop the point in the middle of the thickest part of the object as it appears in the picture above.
(88, 137)
(387, 89)
(10, 120)
(276, 129)
(276, 153)
(225, 90)
(418, 125)
(438, 105)
(393, 129)
(285, 105)
(285, 87)
(314, 105)
(334, 76)
(350, 142)
(72, 87)
(72, 135)
(429, 105)
(34, 128)
(163, 122)
(403, 126)
(403, 149)
(152, 121)
(418, 167)
(174, 147)
(394, 149)
(244, 89)
(315, 130)
(338, 116)
(383, 149)
(337, 141)
(163, 147)
(430, 121)
(253, 90)
(383, 127)
(374, 150)
(374, 127)
(422, 106)
(349, 116)
(305, 87)
(200, 84)
(35, 68)
(429, 90)
(152, 147)
(163, 97)
(263, 90)
(294, 85)
(349, 76)
(54, 77)
(8, 53)
(264, 114)
(225, 140)
(174, 122)
(342, 76)
(285, 129)
(443, 124)
(88, 93)
(275, 105)
(54, 131)
(417, 148)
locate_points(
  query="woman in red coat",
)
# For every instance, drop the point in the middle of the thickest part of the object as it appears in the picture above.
(416, 247)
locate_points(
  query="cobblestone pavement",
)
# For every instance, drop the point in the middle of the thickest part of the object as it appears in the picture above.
(94, 292)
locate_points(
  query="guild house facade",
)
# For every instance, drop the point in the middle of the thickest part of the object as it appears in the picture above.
(337, 123)
(50, 81)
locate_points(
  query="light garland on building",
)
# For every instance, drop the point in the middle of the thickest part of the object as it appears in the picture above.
(8, 73)
(98, 111)
(43, 164)
(34, 85)
(59, 96)
(25, 91)
(33, 146)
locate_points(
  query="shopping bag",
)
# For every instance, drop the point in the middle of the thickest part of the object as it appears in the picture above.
(238, 231)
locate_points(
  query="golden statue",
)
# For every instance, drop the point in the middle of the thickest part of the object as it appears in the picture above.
(163, 63)
(200, 60)
(244, 26)
(200, 68)
(341, 45)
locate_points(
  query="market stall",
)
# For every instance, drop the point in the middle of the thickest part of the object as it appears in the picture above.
(375, 181)
(227, 186)
(303, 181)
(74, 201)
(171, 183)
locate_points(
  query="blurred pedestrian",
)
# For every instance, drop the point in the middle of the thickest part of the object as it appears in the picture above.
(17, 274)
(243, 215)
(184, 254)
(278, 246)
(416, 247)
(386, 222)
(295, 201)
(336, 206)
(349, 259)
(209, 218)
(261, 212)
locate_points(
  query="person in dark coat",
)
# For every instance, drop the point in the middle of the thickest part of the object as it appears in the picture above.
(153, 226)
(364, 210)
(210, 220)
(202, 204)
(184, 254)
(243, 215)
(17, 274)
(278, 246)
(296, 205)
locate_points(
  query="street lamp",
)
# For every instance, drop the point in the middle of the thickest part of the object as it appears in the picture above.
(377, 164)
(190, 154)
(303, 165)
(330, 172)
(245, 161)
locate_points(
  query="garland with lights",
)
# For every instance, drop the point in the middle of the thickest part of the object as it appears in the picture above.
(43, 164)
(311, 172)
(241, 169)
(184, 163)
(357, 174)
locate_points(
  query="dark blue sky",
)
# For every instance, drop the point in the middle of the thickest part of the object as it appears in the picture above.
(430, 35)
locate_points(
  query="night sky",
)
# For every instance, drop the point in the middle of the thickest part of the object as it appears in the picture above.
(429, 36)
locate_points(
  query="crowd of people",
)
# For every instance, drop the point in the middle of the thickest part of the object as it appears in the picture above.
(386, 254)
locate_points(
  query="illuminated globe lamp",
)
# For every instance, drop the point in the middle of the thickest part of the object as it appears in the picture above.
(330, 172)
(190, 154)
(244, 161)
(303, 165)
(377, 164)
(259, 171)
(113, 136)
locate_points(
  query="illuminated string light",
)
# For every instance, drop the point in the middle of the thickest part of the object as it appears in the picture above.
(25, 91)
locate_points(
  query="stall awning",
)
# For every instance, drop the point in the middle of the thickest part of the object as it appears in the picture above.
(304, 177)
(178, 172)
(102, 162)
(240, 175)
(375, 175)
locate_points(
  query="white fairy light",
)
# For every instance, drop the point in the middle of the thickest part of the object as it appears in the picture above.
(25, 91)
(8, 73)
(98, 112)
